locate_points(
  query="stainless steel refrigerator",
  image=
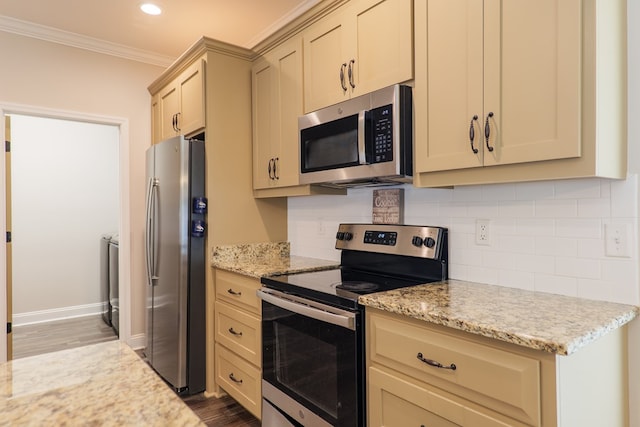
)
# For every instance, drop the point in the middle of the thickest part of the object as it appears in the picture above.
(175, 262)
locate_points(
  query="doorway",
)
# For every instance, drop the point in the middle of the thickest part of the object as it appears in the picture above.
(64, 190)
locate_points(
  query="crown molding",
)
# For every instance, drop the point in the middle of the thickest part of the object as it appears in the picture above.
(42, 32)
(291, 16)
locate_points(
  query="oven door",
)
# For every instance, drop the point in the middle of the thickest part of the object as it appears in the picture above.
(312, 360)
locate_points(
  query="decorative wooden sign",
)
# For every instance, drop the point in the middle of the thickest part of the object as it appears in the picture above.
(388, 206)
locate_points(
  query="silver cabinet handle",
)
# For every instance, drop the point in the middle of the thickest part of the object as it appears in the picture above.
(309, 308)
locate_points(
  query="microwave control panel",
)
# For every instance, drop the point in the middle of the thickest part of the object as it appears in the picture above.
(382, 130)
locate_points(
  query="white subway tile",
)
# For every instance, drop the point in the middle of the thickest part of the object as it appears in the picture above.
(579, 228)
(594, 208)
(516, 279)
(499, 260)
(577, 267)
(453, 209)
(556, 284)
(467, 256)
(535, 263)
(516, 209)
(556, 208)
(458, 271)
(535, 227)
(603, 290)
(535, 190)
(516, 244)
(591, 248)
(429, 194)
(483, 209)
(577, 188)
(559, 246)
(470, 193)
(620, 270)
(483, 275)
(498, 192)
(504, 227)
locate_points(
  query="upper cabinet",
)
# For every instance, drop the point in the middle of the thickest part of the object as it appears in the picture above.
(276, 105)
(363, 46)
(179, 107)
(507, 90)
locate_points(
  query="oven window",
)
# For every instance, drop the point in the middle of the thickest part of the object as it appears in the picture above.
(330, 145)
(313, 362)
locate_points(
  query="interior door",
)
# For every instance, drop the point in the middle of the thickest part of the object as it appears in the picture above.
(7, 138)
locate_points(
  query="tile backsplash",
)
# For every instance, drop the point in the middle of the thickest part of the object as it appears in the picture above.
(545, 236)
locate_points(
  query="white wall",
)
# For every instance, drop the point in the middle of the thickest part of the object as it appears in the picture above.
(64, 197)
(50, 76)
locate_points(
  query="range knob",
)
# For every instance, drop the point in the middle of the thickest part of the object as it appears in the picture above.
(348, 236)
(416, 241)
(340, 235)
(429, 242)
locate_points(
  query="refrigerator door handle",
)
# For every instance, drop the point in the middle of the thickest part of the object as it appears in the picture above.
(150, 252)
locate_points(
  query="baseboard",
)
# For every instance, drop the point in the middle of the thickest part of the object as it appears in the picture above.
(137, 342)
(53, 314)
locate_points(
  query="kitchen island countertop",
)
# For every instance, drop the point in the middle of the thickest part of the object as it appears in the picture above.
(265, 259)
(538, 320)
(104, 384)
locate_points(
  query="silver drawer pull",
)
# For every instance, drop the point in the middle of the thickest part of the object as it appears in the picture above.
(232, 331)
(434, 363)
(234, 379)
(232, 292)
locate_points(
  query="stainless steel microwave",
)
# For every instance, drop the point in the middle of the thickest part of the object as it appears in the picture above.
(366, 140)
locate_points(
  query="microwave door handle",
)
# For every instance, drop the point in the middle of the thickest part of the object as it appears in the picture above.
(362, 153)
(308, 309)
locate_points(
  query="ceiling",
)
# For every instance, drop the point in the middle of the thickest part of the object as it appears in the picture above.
(121, 25)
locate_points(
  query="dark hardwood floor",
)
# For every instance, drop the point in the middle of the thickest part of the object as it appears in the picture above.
(41, 338)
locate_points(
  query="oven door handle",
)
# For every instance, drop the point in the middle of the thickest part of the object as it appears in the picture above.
(308, 308)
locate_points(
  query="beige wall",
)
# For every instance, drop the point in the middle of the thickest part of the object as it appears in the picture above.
(41, 74)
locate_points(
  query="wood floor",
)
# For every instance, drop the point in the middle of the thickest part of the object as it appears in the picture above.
(41, 338)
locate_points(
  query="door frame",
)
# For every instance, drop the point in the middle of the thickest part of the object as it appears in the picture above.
(124, 279)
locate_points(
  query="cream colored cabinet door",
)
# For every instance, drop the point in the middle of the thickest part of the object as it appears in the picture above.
(366, 46)
(326, 59)
(277, 104)
(181, 104)
(497, 82)
(192, 95)
(169, 101)
(382, 44)
(264, 105)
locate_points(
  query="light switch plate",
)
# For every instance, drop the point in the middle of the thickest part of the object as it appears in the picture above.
(618, 237)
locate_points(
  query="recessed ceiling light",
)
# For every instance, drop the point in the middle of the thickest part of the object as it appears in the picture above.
(150, 9)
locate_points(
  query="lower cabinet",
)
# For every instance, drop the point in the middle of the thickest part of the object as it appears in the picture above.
(426, 375)
(238, 339)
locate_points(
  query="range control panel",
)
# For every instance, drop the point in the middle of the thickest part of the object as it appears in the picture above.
(407, 240)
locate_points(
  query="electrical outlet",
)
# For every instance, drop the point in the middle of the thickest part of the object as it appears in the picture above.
(483, 232)
(617, 237)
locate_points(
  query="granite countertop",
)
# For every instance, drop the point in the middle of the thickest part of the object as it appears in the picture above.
(265, 259)
(104, 384)
(538, 320)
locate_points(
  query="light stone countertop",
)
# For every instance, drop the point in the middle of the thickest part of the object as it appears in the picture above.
(542, 321)
(265, 259)
(104, 384)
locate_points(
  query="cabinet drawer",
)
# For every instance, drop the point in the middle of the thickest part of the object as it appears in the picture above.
(239, 379)
(239, 331)
(394, 402)
(238, 290)
(506, 382)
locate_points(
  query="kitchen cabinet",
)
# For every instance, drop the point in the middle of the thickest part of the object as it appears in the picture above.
(506, 91)
(179, 107)
(433, 375)
(277, 103)
(358, 48)
(238, 338)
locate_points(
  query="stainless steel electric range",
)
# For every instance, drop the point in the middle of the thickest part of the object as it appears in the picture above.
(313, 357)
